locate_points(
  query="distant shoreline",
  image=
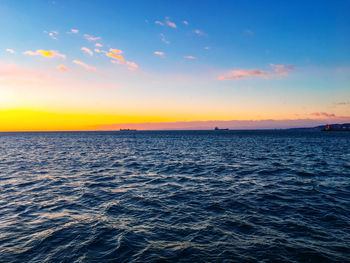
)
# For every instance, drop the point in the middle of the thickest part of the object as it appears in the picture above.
(164, 130)
(334, 127)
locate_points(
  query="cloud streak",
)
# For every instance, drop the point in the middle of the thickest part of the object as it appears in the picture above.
(170, 23)
(10, 50)
(132, 66)
(116, 56)
(116, 51)
(162, 37)
(323, 114)
(199, 32)
(91, 38)
(282, 69)
(240, 74)
(86, 66)
(87, 50)
(43, 53)
(190, 57)
(62, 68)
(159, 23)
(276, 70)
(52, 35)
(159, 53)
(342, 103)
(167, 22)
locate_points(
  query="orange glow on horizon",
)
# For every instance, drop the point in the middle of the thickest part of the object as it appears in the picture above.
(36, 120)
(40, 120)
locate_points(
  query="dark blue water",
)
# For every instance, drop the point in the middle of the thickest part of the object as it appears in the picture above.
(200, 196)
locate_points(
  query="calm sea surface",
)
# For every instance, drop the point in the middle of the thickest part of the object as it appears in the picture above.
(175, 196)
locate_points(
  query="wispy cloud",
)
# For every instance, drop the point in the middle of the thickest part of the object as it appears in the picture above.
(166, 22)
(240, 74)
(87, 50)
(199, 33)
(249, 32)
(159, 23)
(159, 53)
(342, 103)
(62, 68)
(10, 50)
(48, 54)
(190, 57)
(97, 50)
(276, 71)
(91, 38)
(53, 34)
(206, 48)
(132, 66)
(170, 23)
(116, 56)
(162, 37)
(116, 51)
(116, 62)
(323, 114)
(282, 69)
(98, 45)
(86, 66)
(186, 23)
(74, 31)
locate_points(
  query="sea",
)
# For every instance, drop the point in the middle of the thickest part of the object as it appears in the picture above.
(175, 196)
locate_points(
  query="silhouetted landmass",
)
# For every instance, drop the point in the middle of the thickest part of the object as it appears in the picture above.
(328, 127)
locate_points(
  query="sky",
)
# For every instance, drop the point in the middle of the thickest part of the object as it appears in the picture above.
(105, 65)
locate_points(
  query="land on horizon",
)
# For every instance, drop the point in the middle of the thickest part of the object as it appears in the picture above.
(335, 126)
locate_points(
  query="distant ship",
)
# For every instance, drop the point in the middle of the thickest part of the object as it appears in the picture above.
(218, 129)
(127, 129)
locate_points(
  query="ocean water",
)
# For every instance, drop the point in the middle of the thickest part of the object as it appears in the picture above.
(175, 196)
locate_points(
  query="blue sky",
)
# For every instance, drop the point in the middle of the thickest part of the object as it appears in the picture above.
(300, 32)
(221, 60)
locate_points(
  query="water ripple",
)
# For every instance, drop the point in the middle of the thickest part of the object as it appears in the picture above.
(202, 196)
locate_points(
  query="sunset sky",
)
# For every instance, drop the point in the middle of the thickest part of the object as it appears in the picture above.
(100, 65)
